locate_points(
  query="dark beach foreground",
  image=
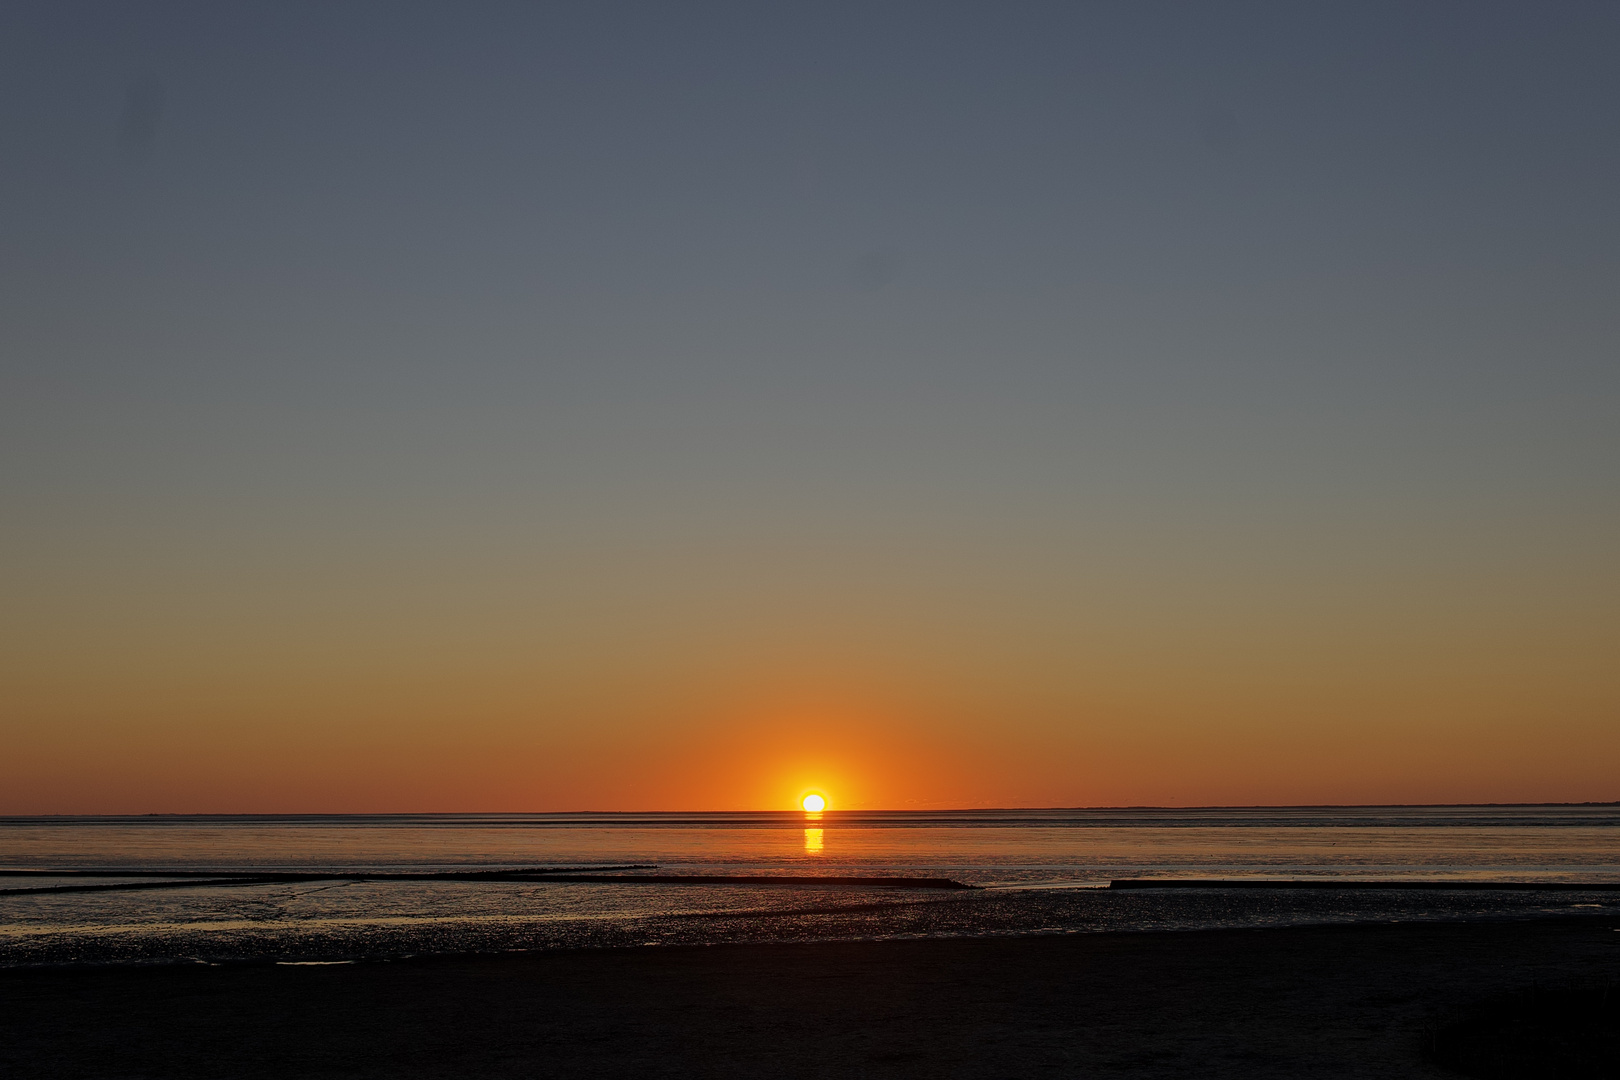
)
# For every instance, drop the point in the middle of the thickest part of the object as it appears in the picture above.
(1331, 1001)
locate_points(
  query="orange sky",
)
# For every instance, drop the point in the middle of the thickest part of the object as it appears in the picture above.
(374, 689)
(535, 407)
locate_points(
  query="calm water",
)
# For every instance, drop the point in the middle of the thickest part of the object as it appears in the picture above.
(1038, 872)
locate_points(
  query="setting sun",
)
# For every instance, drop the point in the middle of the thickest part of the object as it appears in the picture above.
(814, 803)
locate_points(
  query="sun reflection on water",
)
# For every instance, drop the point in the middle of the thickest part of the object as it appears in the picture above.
(812, 841)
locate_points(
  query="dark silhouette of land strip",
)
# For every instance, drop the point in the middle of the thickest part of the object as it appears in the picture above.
(541, 875)
(1341, 884)
(1326, 1002)
(141, 886)
(321, 875)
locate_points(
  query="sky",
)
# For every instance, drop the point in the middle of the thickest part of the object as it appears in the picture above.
(478, 407)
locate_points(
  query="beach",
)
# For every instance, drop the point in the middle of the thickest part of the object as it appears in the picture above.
(1324, 1001)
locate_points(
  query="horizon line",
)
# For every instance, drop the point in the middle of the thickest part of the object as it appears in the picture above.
(788, 811)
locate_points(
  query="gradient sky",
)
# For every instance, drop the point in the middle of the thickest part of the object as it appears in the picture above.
(600, 406)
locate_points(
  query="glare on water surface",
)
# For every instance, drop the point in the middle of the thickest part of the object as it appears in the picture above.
(1039, 870)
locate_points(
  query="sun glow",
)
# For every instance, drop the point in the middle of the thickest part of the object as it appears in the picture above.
(814, 803)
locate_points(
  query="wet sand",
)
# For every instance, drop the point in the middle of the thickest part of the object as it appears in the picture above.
(1342, 1001)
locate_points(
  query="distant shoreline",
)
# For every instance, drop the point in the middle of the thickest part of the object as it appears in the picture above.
(793, 814)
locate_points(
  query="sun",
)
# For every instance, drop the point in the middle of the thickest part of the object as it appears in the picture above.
(814, 803)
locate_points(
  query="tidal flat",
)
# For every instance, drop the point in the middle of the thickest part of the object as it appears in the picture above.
(1366, 1000)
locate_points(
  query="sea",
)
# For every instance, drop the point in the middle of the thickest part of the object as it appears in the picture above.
(342, 889)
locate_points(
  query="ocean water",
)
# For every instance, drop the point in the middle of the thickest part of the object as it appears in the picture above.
(1033, 872)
